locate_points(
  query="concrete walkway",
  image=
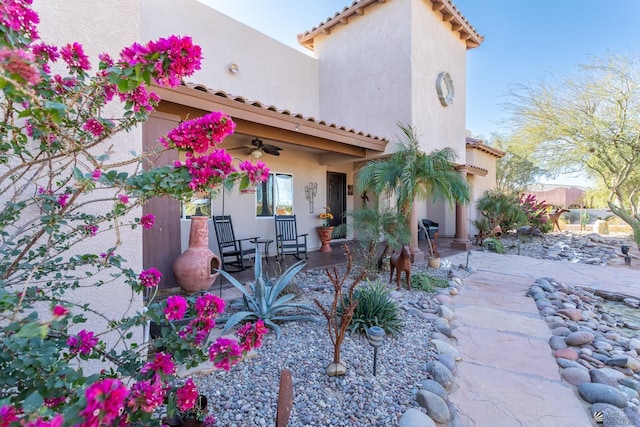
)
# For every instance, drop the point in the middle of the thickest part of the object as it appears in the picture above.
(508, 375)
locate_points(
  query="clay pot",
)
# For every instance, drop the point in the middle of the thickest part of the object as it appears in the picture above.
(325, 234)
(194, 269)
(433, 262)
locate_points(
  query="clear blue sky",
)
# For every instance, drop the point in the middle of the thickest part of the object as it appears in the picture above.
(523, 40)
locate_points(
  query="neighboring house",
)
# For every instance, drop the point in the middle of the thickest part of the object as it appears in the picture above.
(564, 196)
(374, 64)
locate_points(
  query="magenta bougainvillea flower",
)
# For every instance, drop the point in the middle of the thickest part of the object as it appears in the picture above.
(251, 335)
(56, 421)
(74, 56)
(199, 135)
(8, 414)
(224, 353)
(209, 306)
(18, 16)
(105, 402)
(93, 126)
(147, 221)
(19, 63)
(256, 173)
(147, 395)
(150, 277)
(124, 199)
(163, 363)
(62, 199)
(187, 395)
(60, 311)
(83, 342)
(176, 307)
(91, 230)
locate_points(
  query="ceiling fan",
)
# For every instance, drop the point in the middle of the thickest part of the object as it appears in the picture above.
(258, 147)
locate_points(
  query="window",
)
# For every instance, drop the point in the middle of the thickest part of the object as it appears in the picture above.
(275, 196)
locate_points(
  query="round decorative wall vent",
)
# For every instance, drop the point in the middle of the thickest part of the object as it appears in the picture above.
(446, 91)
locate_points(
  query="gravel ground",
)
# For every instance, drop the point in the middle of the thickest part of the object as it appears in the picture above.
(247, 395)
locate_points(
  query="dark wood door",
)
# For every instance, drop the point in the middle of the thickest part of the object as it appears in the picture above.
(161, 243)
(337, 197)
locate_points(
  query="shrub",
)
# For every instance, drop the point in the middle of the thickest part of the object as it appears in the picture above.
(375, 308)
(428, 283)
(494, 245)
(266, 300)
(63, 182)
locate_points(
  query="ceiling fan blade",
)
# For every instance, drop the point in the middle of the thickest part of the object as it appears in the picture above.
(271, 149)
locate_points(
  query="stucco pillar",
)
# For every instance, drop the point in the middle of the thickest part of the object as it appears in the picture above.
(417, 254)
(461, 240)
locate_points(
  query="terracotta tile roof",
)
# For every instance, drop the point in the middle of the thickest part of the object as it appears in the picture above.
(284, 112)
(450, 14)
(478, 144)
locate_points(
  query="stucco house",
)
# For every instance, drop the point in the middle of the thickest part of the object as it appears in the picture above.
(373, 64)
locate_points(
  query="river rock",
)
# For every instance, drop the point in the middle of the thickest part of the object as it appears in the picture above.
(576, 376)
(571, 313)
(440, 373)
(434, 387)
(579, 338)
(566, 353)
(444, 311)
(415, 418)
(443, 326)
(446, 348)
(435, 405)
(598, 376)
(595, 392)
(557, 342)
(449, 361)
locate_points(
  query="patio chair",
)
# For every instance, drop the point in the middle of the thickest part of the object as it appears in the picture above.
(288, 241)
(233, 252)
(431, 227)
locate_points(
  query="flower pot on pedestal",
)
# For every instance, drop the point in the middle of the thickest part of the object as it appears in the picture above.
(194, 269)
(325, 234)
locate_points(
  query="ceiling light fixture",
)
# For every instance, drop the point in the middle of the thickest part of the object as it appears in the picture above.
(256, 154)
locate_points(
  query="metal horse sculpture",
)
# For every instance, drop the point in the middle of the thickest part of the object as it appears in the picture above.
(554, 216)
(401, 262)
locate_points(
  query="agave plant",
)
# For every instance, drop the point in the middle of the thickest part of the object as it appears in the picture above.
(264, 301)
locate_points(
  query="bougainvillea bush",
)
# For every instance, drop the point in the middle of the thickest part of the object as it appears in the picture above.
(66, 203)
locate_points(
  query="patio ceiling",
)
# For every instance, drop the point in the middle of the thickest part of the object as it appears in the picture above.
(255, 119)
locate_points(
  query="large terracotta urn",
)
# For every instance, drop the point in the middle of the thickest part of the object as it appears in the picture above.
(325, 234)
(194, 269)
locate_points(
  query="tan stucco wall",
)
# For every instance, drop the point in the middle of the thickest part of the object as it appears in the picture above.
(365, 70)
(434, 49)
(107, 28)
(268, 70)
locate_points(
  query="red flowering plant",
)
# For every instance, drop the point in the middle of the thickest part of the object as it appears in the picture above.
(67, 193)
(535, 211)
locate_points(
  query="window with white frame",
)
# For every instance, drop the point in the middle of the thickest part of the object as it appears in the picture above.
(275, 195)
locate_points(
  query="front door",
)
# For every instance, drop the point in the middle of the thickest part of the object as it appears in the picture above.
(337, 197)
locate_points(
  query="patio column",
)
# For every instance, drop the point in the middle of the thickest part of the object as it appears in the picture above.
(461, 240)
(417, 254)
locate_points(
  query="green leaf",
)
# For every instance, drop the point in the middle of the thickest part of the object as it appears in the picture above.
(33, 402)
(32, 330)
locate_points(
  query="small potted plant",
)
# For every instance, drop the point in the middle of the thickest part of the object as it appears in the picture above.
(189, 407)
(325, 231)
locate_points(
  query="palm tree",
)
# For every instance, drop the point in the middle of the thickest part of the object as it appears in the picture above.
(411, 174)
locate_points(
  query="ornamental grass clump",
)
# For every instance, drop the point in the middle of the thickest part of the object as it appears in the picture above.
(375, 308)
(72, 315)
(428, 283)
